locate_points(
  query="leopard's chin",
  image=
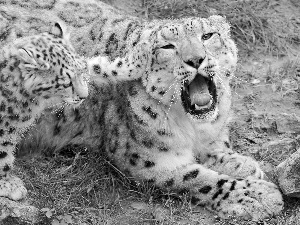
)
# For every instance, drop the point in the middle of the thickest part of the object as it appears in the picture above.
(199, 97)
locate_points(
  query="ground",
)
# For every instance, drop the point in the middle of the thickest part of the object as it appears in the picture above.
(79, 187)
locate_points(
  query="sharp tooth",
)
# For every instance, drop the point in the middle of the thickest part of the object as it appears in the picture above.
(197, 107)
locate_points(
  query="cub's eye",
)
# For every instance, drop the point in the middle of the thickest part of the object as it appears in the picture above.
(207, 36)
(169, 46)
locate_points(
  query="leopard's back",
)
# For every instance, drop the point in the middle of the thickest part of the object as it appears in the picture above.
(95, 27)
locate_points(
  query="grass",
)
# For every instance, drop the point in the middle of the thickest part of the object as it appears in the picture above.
(260, 26)
(87, 189)
(82, 187)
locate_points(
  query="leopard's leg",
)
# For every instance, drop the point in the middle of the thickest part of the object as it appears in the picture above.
(177, 170)
(227, 196)
(221, 158)
(10, 186)
(234, 164)
(13, 189)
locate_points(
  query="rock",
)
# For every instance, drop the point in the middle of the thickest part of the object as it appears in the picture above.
(283, 123)
(139, 206)
(278, 150)
(288, 123)
(20, 210)
(263, 124)
(289, 85)
(160, 213)
(288, 173)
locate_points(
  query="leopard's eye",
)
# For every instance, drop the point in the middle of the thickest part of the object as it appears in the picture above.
(207, 36)
(169, 46)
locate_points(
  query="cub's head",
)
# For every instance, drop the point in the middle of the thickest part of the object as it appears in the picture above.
(191, 62)
(50, 68)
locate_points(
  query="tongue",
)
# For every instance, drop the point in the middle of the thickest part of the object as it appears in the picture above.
(199, 93)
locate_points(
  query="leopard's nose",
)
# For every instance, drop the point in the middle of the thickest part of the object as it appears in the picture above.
(195, 62)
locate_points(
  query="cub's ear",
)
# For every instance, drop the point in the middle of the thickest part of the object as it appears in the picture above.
(60, 30)
(57, 30)
(30, 61)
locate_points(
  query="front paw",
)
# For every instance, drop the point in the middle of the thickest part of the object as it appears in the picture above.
(12, 187)
(235, 165)
(26, 213)
(247, 199)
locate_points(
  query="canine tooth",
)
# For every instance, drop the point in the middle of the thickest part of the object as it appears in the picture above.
(197, 107)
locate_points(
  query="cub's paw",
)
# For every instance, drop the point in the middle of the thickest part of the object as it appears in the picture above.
(235, 165)
(26, 213)
(12, 187)
(248, 199)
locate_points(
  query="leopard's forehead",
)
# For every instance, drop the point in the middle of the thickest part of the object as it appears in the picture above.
(39, 41)
(47, 46)
(41, 44)
(176, 29)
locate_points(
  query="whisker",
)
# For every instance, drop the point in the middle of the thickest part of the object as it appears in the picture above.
(58, 109)
(217, 73)
(164, 123)
(222, 83)
(244, 81)
(175, 98)
(166, 91)
(222, 70)
(55, 105)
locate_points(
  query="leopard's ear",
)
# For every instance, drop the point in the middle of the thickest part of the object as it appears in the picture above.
(57, 30)
(60, 30)
(29, 61)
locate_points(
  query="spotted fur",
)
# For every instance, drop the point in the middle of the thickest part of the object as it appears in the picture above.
(36, 72)
(142, 116)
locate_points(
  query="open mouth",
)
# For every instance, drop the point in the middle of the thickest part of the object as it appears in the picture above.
(199, 97)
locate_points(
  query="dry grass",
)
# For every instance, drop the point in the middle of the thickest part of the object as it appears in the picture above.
(85, 188)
